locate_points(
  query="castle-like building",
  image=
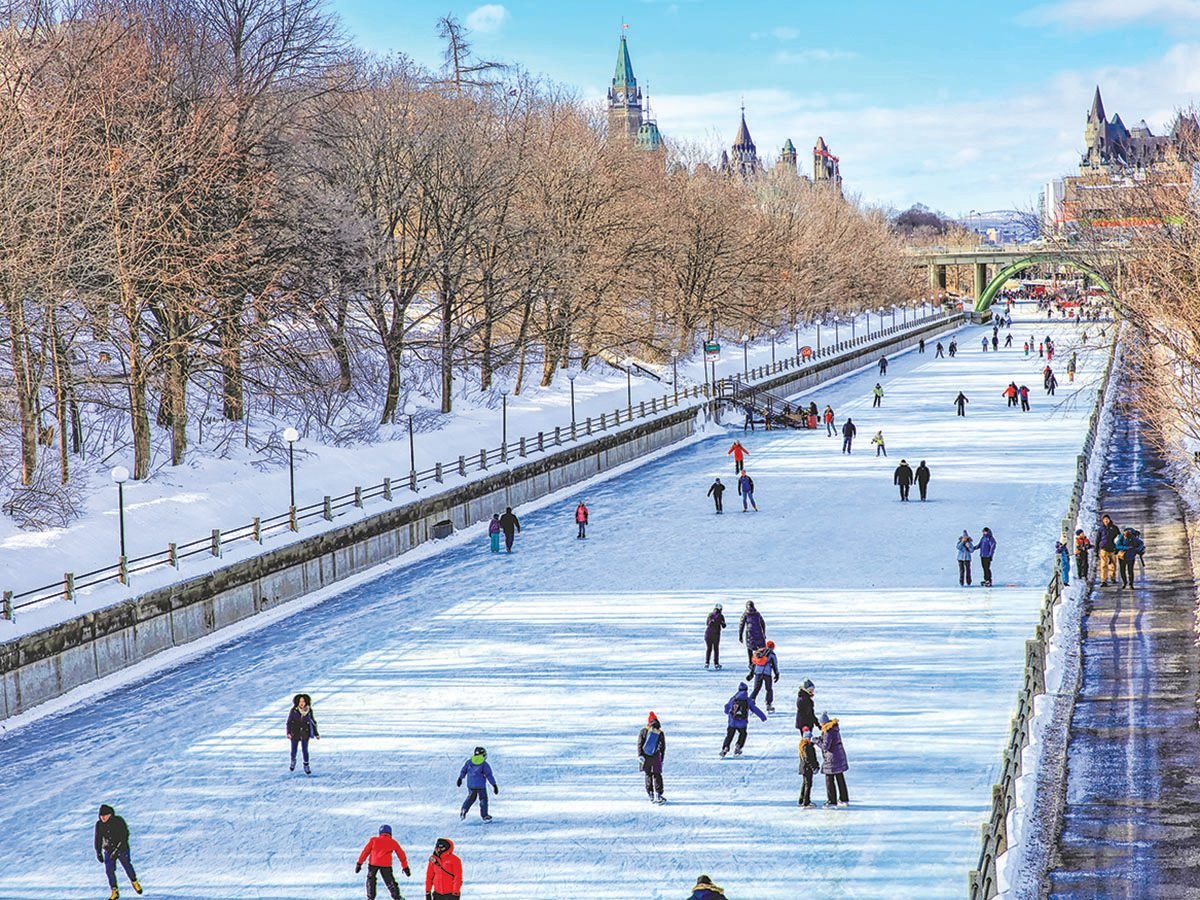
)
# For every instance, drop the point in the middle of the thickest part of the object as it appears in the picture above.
(629, 120)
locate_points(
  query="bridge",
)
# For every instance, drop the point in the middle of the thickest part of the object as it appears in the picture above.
(1009, 260)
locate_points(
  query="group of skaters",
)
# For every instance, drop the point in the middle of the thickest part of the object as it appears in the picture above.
(763, 670)
(966, 547)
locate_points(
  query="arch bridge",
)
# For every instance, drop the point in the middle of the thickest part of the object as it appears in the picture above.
(1007, 262)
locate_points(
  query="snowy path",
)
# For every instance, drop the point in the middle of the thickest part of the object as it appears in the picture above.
(552, 657)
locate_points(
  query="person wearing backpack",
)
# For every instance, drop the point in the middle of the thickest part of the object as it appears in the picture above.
(738, 709)
(478, 774)
(494, 532)
(1083, 547)
(444, 873)
(764, 664)
(712, 636)
(652, 749)
(1129, 547)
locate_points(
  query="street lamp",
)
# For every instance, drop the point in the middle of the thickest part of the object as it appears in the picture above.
(629, 385)
(120, 475)
(854, 325)
(837, 338)
(818, 335)
(291, 435)
(410, 410)
(675, 374)
(745, 357)
(772, 333)
(797, 329)
(571, 376)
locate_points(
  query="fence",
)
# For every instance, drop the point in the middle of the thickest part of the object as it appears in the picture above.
(328, 508)
(983, 880)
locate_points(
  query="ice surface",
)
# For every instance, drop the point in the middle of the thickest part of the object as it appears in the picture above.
(552, 657)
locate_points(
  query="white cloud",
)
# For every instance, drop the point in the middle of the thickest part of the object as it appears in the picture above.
(487, 18)
(814, 54)
(1103, 13)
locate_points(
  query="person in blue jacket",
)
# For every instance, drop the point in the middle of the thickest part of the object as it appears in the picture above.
(738, 709)
(965, 547)
(1129, 547)
(1062, 551)
(752, 630)
(706, 890)
(987, 549)
(479, 775)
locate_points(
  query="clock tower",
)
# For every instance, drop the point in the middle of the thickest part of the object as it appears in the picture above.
(624, 99)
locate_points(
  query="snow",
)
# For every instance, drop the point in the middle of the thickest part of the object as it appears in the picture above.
(186, 503)
(551, 658)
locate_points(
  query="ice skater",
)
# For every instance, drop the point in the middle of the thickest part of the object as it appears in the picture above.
(808, 766)
(581, 519)
(478, 773)
(652, 749)
(739, 456)
(746, 490)
(965, 548)
(752, 630)
(738, 709)
(987, 549)
(922, 477)
(806, 713)
(712, 636)
(494, 532)
(903, 478)
(706, 890)
(960, 403)
(112, 846)
(877, 393)
(715, 490)
(301, 726)
(510, 525)
(880, 445)
(883, 364)
(848, 432)
(833, 761)
(444, 872)
(378, 855)
(763, 665)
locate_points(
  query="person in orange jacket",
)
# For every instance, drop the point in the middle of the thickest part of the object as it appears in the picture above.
(739, 456)
(379, 850)
(443, 875)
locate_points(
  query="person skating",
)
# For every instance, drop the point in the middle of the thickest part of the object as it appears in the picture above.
(494, 532)
(510, 525)
(1023, 392)
(880, 446)
(995, 342)
(111, 840)
(965, 548)
(1071, 368)
(806, 712)
(479, 775)
(833, 761)
(738, 709)
(808, 766)
(903, 477)
(877, 393)
(581, 519)
(378, 856)
(1027, 349)
(953, 348)
(1129, 546)
(922, 477)
(1105, 542)
(715, 490)
(745, 488)
(706, 890)
(1008, 340)
(960, 402)
(1062, 551)
(652, 749)
(712, 636)
(1010, 392)
(764, 669)
(939, 351)
(443, 873)
(883, 364)
(984, 341)
(739, 456)
(830, 428)
(301, 726)
(921, 345)
(1051, 384)
(1082, 550)
(848, 432)
(987, 549)
(752, 630)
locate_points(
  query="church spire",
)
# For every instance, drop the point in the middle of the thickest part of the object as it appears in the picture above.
(624, 98)
(1097, 111)
(623, 78)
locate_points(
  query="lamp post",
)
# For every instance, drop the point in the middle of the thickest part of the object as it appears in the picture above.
(291, 435)
(837, 339)
(797, 330)
(818, 337)
(629, 386)
(854, 325)
(772, 333)
(745, 357)
(120, 475)
(571, 376)
(504, 424)
(410, 410)
(675, 374)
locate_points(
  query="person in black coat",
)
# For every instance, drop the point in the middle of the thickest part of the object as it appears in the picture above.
(301, 726)
(715, 490)
(904, 478)
(961, 402)
(652, 750)
(510, 525)
(922, 477)
(712, 636)
(849, 430)
(112, 846)
(806, 714)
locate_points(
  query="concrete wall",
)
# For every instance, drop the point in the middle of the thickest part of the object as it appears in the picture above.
(49, 663)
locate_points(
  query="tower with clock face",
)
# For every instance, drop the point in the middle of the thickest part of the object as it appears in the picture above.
(624, 99)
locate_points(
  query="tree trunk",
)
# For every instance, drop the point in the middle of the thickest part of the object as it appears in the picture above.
(139, 418)
(23, 383)
(61, 379)
(391, 399)
(177, 379)
(233, 388)
(447, 362)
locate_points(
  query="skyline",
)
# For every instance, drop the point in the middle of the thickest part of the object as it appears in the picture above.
(903, 99)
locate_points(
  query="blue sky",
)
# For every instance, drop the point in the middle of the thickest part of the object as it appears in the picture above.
(959, 105)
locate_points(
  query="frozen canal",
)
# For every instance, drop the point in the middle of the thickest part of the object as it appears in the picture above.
(553, 656)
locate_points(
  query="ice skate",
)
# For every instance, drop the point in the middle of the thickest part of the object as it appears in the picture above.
(137, 887)
(487, 818)
(737, 752)
(115, 895)
(661, 800)
(307, 770)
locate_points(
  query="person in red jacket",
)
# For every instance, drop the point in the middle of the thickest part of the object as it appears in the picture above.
(379, 850)
(443, 875)
(739, 456)
(581, 519)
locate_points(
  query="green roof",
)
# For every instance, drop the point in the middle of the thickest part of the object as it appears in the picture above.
(624, 75)
(788, 146)
(648, 137)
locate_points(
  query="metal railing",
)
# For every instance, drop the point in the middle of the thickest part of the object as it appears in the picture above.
(329, 508)
(983, 881)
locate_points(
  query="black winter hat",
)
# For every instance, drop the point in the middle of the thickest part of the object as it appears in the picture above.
(106, 810)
